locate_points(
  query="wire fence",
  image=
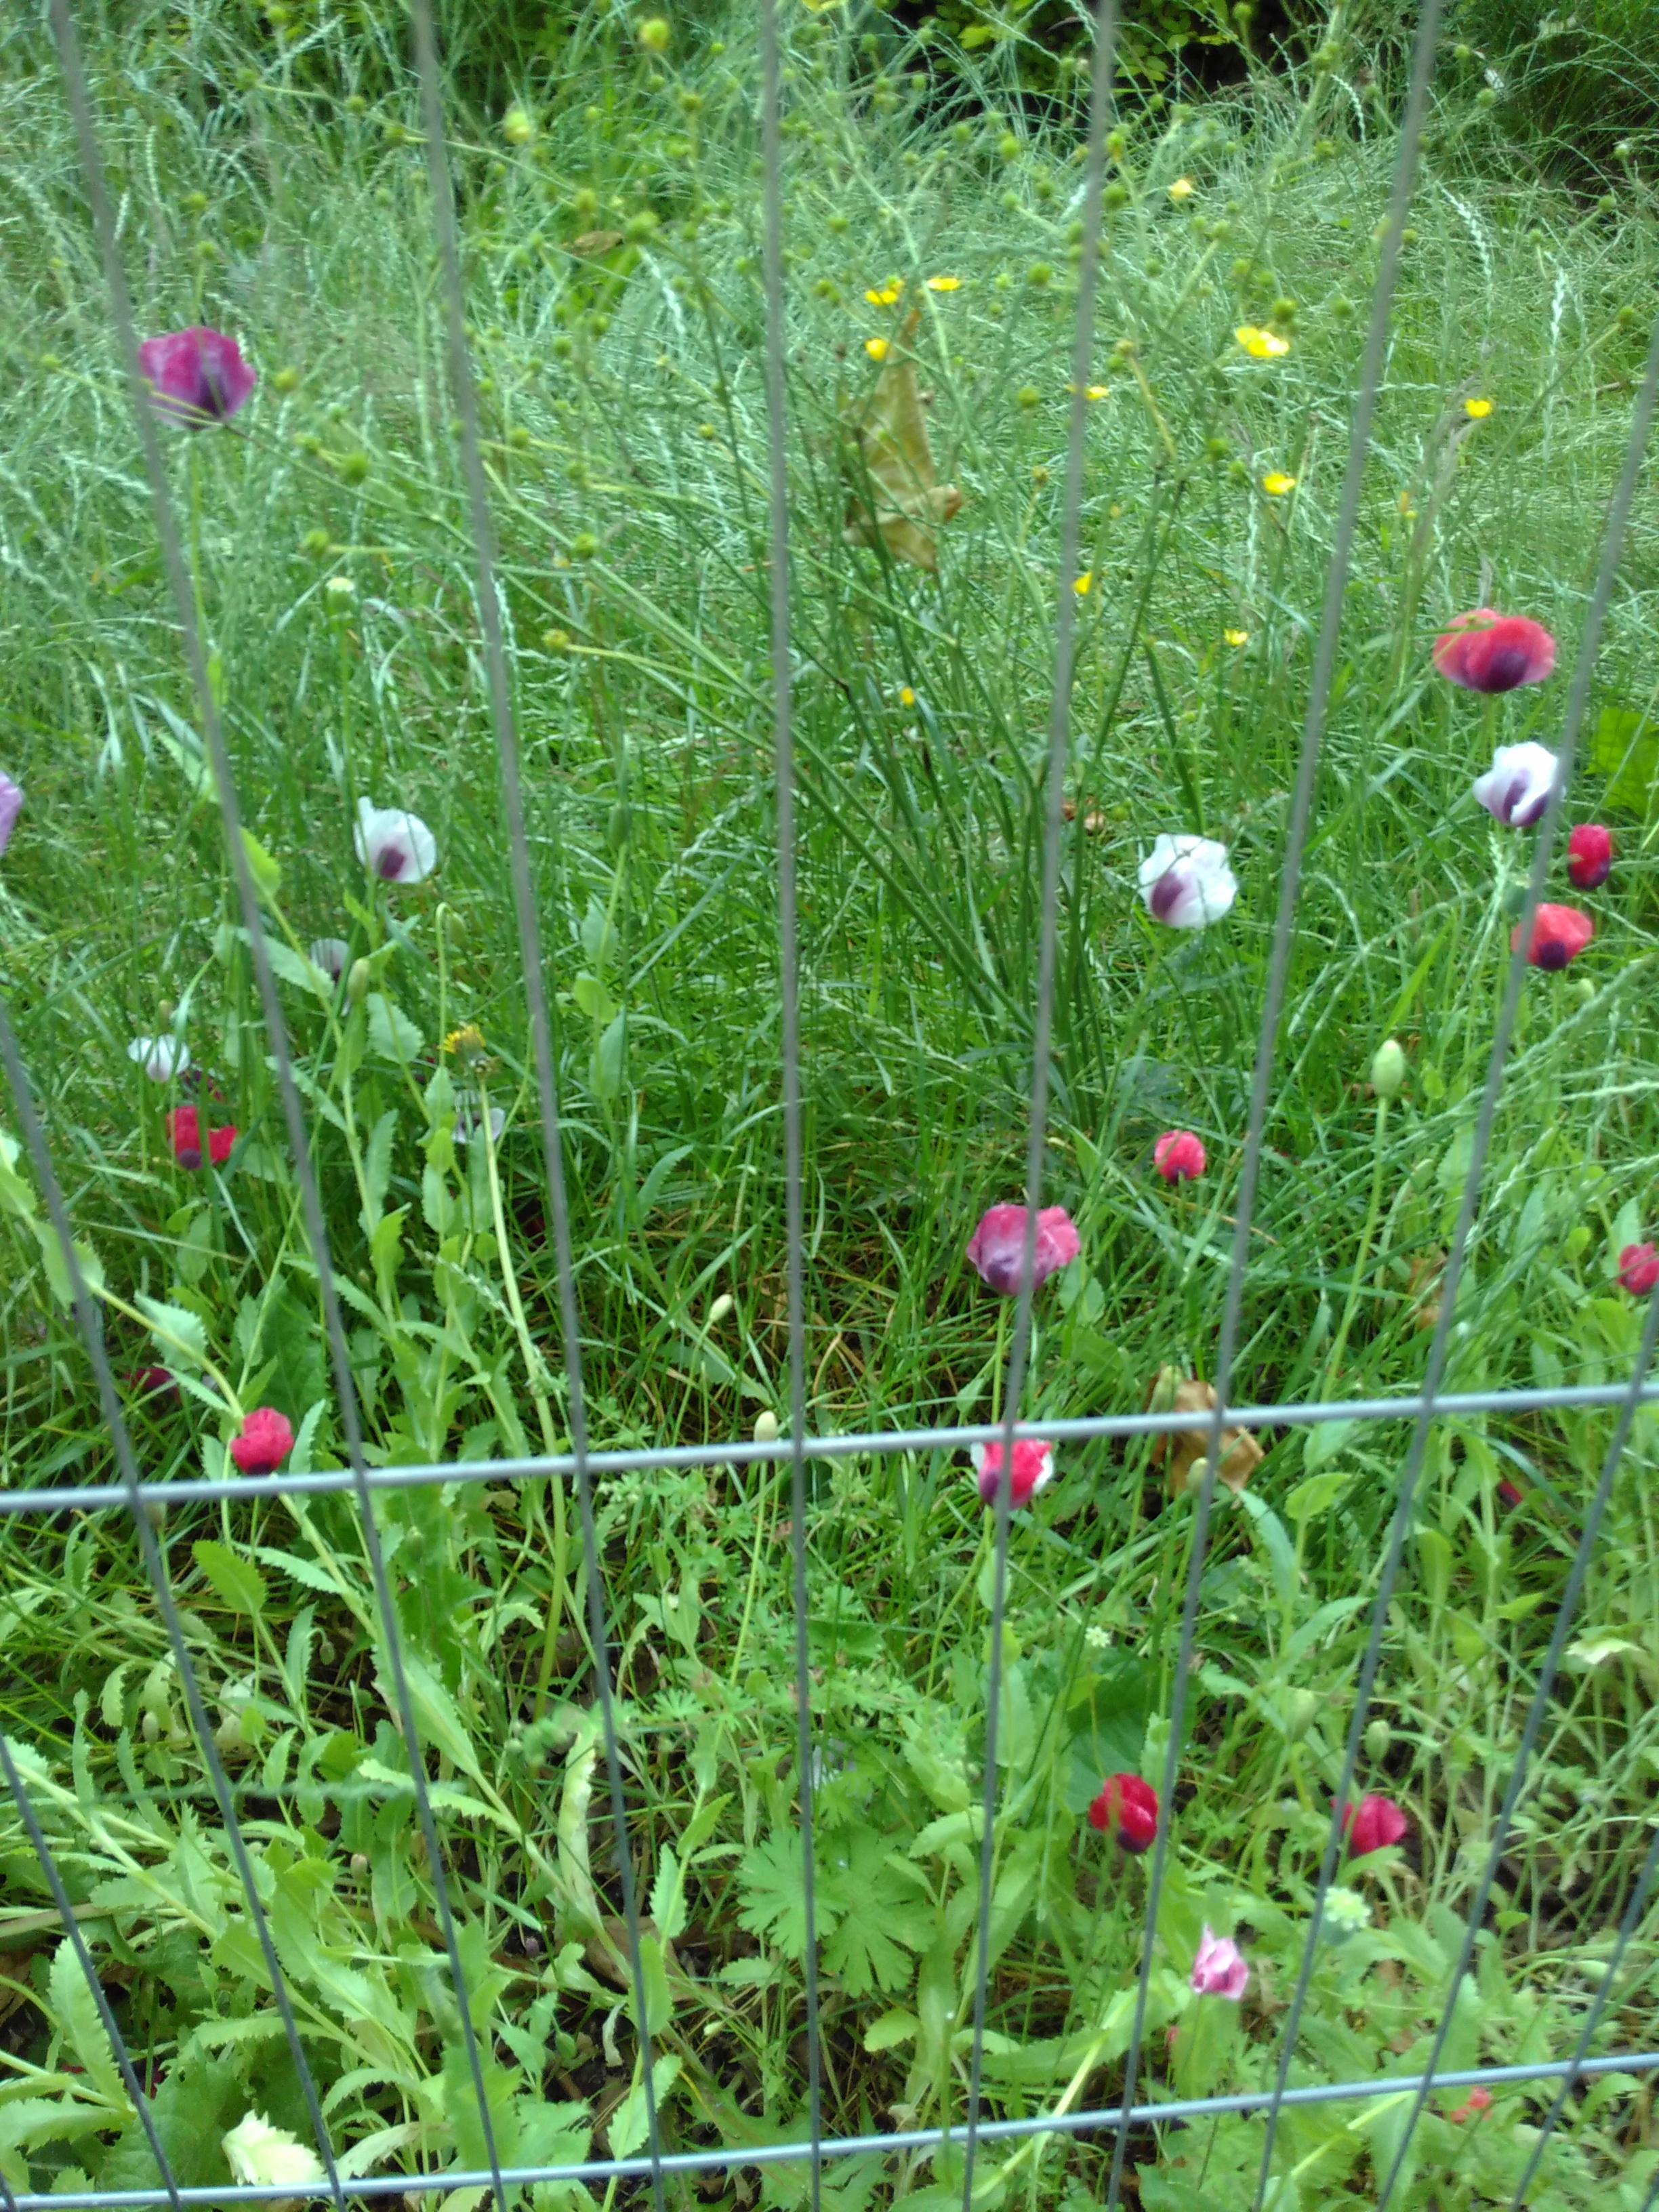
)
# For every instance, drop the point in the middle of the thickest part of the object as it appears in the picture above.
(580, 1466)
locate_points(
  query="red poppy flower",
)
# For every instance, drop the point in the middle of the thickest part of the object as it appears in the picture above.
(265, 1442)
(1638, 1270)
(155, 1382)
(1589, 856)
(185, 1134)
(1178, 1156)
(1559, 933)
(1479, 2100)
(196, 376)
(1126, 1809)
(1034, 1466)
(996, 1250)
(1373, 1824)
(1484, 651)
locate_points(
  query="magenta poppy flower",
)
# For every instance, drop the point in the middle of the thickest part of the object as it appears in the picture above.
(12, 805)
(185, 1134)
(1589, 856)
(196, 376)
(1484, 651)
(1034, 1468)
(1178, 1156)
(265, 1442)
(1559, 933)
(1219, 1970)
(1638, 1270)
(996, 1251)
(1127, 1810)
(155, 1382)
(1373, 1824)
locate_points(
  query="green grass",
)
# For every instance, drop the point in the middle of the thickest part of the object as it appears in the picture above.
(625, 421)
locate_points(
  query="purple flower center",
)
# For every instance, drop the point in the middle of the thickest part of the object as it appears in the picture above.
(1168, 891)
(1552, 953)
(391, 862)
(1503, 666)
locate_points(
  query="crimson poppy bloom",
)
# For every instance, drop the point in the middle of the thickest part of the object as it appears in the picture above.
(1484, 651)
(1373, 1824)
(1126, 1809)
(185, 1134)
(196, 376)
(1178, 1156)
(1034, 1466)
(1559, 933)
(1589, 856)
(265, 1442)
(996, 1251)
(1638, 1270)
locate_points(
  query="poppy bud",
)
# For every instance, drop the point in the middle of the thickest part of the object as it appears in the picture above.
(1301, 1707)
(721, 1307)
(996, 1251)
(1387, 1068)
(1178, 1156)
(1589, 856)
(1126, 1809)
(1638, 1270)
(766, 1427)
(1373, 1824)
(357, 982)
(263, 1443)
(1378, 1736)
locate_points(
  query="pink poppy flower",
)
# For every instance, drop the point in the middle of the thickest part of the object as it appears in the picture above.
(1479, 2100)
(1638, 1270)
(265, 1442)
(1373, 1824)
(1126, 1809)
(1034, 1468)
(1559, 933)
(1178, 1156)
(1219, 1970)
(996, 1250)
(196, 376)
(185, 1134)
(1484, 651)
(12, 805)
(1589, 856)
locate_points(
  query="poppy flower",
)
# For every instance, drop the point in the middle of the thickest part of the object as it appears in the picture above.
(1178, 1156)
(196, 376)
(996, 1250)
(264, 1442)
(1589, 856)
(1515, 788)
(1034, 1466)
(1484, 651)
(161, 1058)
(1373, 1824)
(185, 1134)
(1126, 1808)
(1638, 1270)
(155, 1382)
(12, 805)
(1186, 881)
(330, 955)
(468, 1122)
(1219, 1970)
(1559, 933)
(398, 848)
(1477, 2100)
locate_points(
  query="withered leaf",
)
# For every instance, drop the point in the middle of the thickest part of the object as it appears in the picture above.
(896, 496)
(596, 241)
(1186, 1450)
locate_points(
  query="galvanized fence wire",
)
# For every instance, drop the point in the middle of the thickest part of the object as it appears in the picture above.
(580, 1464)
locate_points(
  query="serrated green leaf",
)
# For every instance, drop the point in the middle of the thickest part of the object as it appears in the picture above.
(631, 2122)
(237, 1581)
(593, 999)
(175, 1328)
(76, 2010)
(265, 870)
(390, 1032)
(56, 1267)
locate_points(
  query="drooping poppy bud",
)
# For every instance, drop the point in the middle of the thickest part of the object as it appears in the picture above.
(1127, 1810)
(397, 847)
(1219, 1970)
(1186, 881)
(1178, 1156)
(1484, 651)
(996, 1251)
(1559, 933)
(1373, 1824)
(1515, 788)
(1589, 856)
(1034, 1466)
(265, 1442)
(196, 376)
(1638, 1270)
(161, 1058)
(1389, 1069)
(12, 805)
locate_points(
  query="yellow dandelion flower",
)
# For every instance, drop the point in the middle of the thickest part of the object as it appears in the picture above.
(906, 697)
(1261, 345)
(1276, 483)
(1477, 410)
(944, 283)
(1093, 391)
(876, 348)
(1237, 636)
(467, 1041)
(1084, 583)
(1182, 189)
(888, 295)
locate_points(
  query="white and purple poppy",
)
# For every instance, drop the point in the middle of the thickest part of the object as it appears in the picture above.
(397, 847)
(161, 1058)
(1515, 788)
(1219, 1970)
(12, 805)
(330, 955)
(1186, 881)
(468, 1122)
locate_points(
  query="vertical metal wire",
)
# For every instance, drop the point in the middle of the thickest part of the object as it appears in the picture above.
(275, 1027)
(1103, 60)
(789, 985)
(1572, 718)
(92, 1334)
(524, 902)
(1323, 672)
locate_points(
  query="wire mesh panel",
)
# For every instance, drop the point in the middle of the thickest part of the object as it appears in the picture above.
(827, 1920)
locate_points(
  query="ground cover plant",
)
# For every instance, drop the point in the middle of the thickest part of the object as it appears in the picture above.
(612, 264)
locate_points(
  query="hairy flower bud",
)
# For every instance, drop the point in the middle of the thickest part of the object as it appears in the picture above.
(1387, 1069)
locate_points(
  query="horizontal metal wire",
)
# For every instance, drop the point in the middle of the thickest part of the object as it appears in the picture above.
(89, 1497)
(733, 2156)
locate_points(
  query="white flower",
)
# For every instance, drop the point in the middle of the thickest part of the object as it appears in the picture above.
(329, 954)
(468, 1122)
(340, 589)
(262, 2155)
(1346, 1913)
(1515, 788)
(161, 1058)
(398, 847)
(1186, 881)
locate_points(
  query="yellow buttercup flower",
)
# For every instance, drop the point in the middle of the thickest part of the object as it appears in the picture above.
(1477, 410)
(944, 283)
(888, 295)
(876, 348)
(1093, 391)
(1237, 636)
(1182, 189)
(1276, 483)
(1261, 345)
(906, 697)
(1084, 583)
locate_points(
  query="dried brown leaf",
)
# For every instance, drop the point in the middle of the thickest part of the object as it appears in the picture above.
(890, 457)
(1186, 1450)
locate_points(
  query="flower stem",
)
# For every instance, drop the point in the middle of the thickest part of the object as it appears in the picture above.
(1334, 1363)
